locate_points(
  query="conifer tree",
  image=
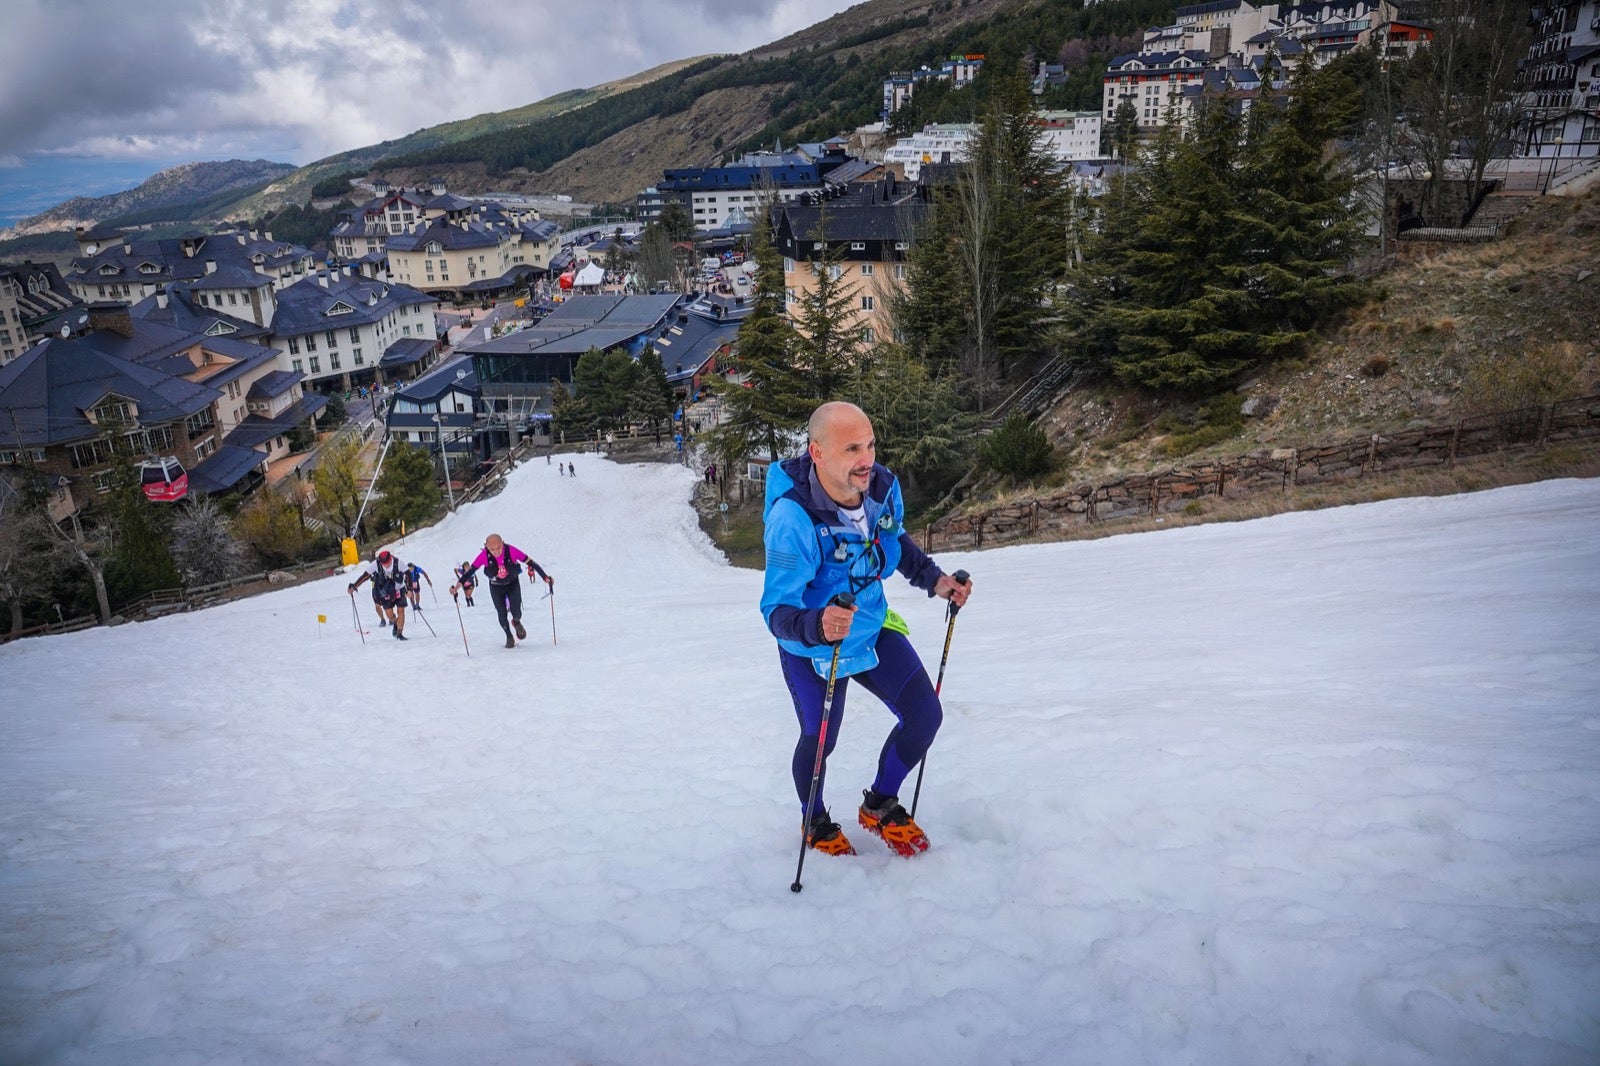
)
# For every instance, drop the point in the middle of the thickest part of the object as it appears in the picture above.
(993, 248)
(776, 400)
(408, 484)
(919, 420)
(827, 335)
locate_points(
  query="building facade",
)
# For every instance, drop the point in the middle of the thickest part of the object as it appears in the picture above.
(341, 329)
(1560, 82)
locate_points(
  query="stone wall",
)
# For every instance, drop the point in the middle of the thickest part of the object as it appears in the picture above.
(1240, 477)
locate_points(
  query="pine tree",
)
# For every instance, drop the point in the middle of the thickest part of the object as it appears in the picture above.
(923, 431)
(827, 335)
(569, 414)
(991, 252)
(776, 399)
(409, 487)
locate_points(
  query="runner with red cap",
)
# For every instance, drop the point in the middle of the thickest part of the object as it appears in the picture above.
(387, 574)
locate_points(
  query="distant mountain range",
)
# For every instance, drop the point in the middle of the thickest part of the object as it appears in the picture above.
(606, 143)
(187, 186)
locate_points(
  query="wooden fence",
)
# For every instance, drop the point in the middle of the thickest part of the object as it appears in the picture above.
(1168, 491)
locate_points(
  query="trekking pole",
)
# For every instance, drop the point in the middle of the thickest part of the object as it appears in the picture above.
(551, 596)
(356, 615)
(961, 578)
(844, 599)
(419, 614)
(462, 623)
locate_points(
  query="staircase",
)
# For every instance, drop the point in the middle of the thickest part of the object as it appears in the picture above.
(1032, 394)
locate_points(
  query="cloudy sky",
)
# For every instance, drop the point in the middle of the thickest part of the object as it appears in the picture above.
(296, 80)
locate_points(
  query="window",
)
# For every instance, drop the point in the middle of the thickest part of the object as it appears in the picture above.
(294, 348)
(359, 361)
(233, 299)
(900, 271)
(858, 246)
(316, 365)
(867, 336)
(355, 335)
(91, 453)
(835, 271)
(311, 342)
(866, 270)
(102, 481)
(333, 360)
(867, 303)
(298, 366)
(788, 265)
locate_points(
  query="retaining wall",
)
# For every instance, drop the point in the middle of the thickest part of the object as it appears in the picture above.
(1275, 470)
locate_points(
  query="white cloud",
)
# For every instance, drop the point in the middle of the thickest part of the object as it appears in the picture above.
(301, 79)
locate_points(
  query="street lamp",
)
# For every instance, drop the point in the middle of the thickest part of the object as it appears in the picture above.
(438, 420)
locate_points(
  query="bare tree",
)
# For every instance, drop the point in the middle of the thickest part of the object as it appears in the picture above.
(1456, 97)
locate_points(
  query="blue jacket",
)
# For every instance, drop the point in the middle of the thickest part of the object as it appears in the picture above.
(814, 553)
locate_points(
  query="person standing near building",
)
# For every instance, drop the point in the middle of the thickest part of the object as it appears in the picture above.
(835, 522)
(388, 590)
(502, 565)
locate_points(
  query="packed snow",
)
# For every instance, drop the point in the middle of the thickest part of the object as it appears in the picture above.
(1319, 788)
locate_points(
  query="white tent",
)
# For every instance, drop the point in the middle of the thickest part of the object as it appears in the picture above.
(593, 275)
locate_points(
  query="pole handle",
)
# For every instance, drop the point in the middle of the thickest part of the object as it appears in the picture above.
(960, 577)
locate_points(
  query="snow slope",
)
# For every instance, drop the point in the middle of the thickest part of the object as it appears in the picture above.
(1319, 788)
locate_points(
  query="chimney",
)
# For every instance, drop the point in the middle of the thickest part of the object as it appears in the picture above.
(240, 237)
(322, 278)
(111, 317)
(211, 266)
(127, 247)
(269, 235)
(161, 300)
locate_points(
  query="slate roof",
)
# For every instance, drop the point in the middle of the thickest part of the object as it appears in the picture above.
(690, 342)
(849, 222)
(274, 384)
(183, 313)
(584, 322)
(225, 468)
(303, 306)
(258, 428)
(440, 380)
(123, 261)
(42, 293)
(450, 236)
(49, 387)
(407, 350)
(541, 230)
(230, 276)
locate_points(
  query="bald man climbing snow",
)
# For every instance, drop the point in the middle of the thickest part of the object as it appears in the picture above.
(835, 522)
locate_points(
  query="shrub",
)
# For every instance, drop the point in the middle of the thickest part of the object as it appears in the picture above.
(1377, 366)
(1018, 449)
(1514, 387)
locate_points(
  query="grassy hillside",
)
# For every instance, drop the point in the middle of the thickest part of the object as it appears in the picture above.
(814, 84)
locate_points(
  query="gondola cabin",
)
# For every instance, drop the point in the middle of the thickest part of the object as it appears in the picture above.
(164, 479)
